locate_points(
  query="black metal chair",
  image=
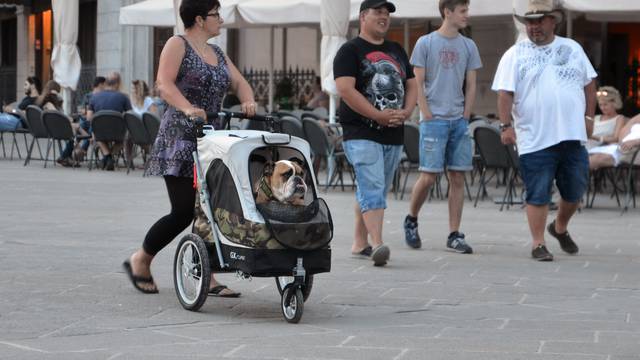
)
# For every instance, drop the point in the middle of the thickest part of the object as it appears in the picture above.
(321, 147)
(598, 181)
(36, 128)
(630, 182)
(292, 126)
(495, 156)
(59, 127)
(411, 161)
(108, 127)
(139, 137)
(14, 133)
(151, 124)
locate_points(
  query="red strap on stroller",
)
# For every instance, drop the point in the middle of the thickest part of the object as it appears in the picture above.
(195, 177)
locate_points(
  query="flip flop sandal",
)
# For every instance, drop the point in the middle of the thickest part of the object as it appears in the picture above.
(136, 280)
(363, 254)
(217, 291)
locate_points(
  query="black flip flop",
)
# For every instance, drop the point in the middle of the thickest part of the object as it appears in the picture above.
(217, 291)
(137, 280)
(363, 254)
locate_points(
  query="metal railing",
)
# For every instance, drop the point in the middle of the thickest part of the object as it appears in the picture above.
(301, 83)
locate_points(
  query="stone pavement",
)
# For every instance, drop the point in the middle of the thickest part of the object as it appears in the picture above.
(64, 234)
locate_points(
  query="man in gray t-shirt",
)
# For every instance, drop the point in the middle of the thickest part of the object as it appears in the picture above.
(442, 61)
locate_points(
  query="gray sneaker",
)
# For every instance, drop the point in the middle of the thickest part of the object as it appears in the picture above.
(380, 255)
(456, 242)
(541, 253)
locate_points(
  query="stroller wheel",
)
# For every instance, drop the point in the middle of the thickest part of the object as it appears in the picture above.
(192, 272)
(292, 304)
(283, 281)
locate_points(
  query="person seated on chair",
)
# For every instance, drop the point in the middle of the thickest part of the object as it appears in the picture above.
(318, 97)
(8, 119)
(606, 127)
(98, 85)
(109, 99)
(141, 102)
(51, 100)
(628, 142)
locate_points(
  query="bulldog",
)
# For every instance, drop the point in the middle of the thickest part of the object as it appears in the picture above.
(282, 181)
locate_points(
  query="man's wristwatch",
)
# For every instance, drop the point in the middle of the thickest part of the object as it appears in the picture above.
(504, 126)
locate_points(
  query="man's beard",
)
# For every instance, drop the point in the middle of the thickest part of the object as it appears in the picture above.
(27, 92)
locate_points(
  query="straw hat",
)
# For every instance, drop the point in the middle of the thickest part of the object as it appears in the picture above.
(540, 8)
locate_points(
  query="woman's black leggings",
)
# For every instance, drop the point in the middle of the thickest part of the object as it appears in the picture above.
(182, 196)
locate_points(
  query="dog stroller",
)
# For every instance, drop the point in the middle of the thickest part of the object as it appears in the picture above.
(232, 234)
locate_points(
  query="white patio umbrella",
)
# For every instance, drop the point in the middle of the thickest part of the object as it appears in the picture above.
(334, 26)
(165, 13)
(149, 13)
(280, 12)
(421, 9)
(598, 10)
(65, 59)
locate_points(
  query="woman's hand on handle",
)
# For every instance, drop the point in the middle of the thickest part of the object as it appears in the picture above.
(249, 108)
(194, 113)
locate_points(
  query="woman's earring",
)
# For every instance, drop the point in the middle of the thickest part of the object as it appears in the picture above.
(201, 25)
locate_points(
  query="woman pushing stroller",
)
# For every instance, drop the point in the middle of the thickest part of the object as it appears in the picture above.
(193, 77)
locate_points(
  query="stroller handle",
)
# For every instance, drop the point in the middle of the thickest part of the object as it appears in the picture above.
(227, 115)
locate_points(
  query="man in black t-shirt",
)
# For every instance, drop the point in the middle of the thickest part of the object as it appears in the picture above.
(109, 99)
(376, 83)
(9, 121)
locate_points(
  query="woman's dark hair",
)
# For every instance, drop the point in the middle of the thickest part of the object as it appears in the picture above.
(190, 9)
(99, 80)
(35, 82)
(50, 94)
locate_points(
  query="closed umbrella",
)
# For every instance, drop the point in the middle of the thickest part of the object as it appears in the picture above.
(65, 59)
(334, 24)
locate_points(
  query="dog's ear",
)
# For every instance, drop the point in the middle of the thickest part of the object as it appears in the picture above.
(297, 161)
(268, 169)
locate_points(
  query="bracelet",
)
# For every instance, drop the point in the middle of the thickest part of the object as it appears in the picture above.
(588, 118)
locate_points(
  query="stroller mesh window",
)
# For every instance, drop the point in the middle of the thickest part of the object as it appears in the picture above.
(227, 213)
(301, 227)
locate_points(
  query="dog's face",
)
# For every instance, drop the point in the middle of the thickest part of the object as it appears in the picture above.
(286, 180)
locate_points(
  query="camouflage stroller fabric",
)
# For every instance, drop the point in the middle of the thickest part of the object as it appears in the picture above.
(235, 228)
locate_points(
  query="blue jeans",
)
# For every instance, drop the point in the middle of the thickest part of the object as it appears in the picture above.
(375, 165)
(566, 162)
(445, 142)
(8, 122)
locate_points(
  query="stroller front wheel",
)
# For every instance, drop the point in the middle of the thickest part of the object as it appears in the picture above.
(192, 272)
(283, 281)
(292, 304)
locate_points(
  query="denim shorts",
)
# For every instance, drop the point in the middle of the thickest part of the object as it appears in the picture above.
(566, 162)
(375, 165)
(445, 142)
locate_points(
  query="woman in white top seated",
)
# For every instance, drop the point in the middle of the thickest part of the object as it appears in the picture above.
(615, 154)
(606, 128)
(140, 100)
